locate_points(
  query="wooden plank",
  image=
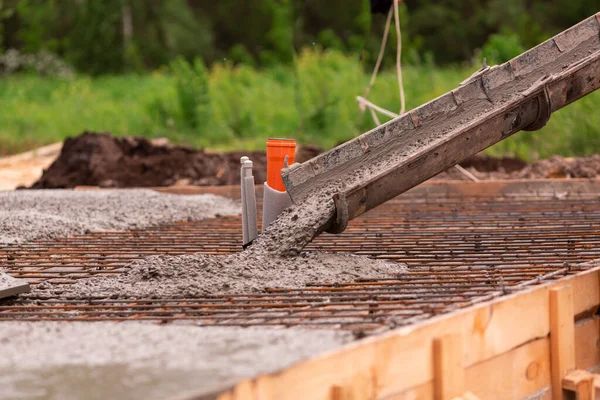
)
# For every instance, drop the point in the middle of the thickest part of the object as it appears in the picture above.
(562, 337)
(402, 360)
(359, 387)
(338, 393)
(588, 293)
(449, 373)
(587, 340)
(574, 379)
(582, 383)
(513, 375)
(244, 391)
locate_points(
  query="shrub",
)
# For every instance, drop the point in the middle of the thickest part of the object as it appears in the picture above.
(502, 47)
(191, 81)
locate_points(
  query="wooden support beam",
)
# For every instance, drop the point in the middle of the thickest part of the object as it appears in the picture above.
(581, 383)
(562, 337)
(449, 372)
(338, 393)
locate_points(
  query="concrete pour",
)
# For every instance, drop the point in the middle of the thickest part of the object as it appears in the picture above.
(105, 360)
(27, 215)
(197, 275)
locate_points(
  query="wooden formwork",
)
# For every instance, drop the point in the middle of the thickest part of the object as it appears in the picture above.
(539, 343)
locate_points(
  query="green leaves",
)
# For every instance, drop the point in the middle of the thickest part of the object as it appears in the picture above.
(193, 93)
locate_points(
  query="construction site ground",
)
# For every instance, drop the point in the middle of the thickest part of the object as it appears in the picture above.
(464, 243)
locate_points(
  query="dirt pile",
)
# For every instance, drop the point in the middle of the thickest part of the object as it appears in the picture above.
(559, 167)
(484, 163)
(100, 159)
(487, 168)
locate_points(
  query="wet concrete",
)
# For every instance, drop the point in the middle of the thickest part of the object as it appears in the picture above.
(103, 360)
(197, 275)
(46, 214)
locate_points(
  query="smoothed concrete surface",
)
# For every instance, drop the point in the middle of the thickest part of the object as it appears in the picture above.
(107, 360)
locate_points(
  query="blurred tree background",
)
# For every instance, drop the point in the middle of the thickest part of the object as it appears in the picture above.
(112, 36)
(228, 73)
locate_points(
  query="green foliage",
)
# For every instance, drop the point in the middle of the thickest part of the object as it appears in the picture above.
(502, 47)
(280, 36)
(327, 104)
(239, 107)
(114, 36)
(94, 45)
(37, 19)
(240, 55)
(5, 12)
(191, 83)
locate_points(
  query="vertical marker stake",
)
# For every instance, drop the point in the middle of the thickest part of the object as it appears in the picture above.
(562, 337)
(449, 374)
(249, 220)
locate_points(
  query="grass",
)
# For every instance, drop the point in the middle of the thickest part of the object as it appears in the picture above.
(314, 104)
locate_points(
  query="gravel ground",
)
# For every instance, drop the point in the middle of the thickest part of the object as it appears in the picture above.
(105, 360)
(27, 215)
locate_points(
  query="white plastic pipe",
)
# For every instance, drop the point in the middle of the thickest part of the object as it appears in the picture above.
(243, 194)
(274, 202)
(249, 215)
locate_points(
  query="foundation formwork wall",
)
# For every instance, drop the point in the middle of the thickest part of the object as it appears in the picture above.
(539, 343)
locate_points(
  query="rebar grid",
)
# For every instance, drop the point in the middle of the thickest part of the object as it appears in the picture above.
(461, 251)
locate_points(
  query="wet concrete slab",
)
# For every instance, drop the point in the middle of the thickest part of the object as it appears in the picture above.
(108, 360)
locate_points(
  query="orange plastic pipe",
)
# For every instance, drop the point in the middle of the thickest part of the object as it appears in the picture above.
(277, 149)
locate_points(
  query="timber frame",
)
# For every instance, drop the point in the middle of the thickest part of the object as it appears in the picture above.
(536, 344)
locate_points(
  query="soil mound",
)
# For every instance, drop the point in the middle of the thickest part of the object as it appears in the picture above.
(100, 159)
(556, 167)
(484, 163)
(559, 167)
